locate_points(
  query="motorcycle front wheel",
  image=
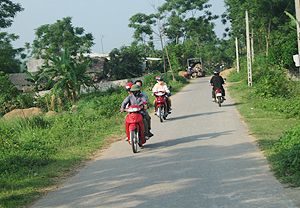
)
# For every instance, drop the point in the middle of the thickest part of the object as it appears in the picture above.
(160, 113)
(133, 140)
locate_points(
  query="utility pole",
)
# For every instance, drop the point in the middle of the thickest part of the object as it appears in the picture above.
(102, 44)
(248, 51)
(297, 8)
(252, 45)
(167, 54)
(237, 55)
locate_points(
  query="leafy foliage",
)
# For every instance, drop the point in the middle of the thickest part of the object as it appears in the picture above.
(125, 62)
(55, 38)
(71, 73)
(10, 97)
(9, 61)
(8, 10)
(286, 160)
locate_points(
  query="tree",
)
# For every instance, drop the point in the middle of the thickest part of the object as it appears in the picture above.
(8, 10)
(71, 73)
(185, 21)
(9, 63)
(266, 17)
(125, 62)
(55, 38)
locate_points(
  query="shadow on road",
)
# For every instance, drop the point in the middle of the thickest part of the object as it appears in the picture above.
(174, 142)
(198, 176)
(192, 115)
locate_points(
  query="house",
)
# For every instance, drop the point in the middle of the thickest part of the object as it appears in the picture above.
(18, 79)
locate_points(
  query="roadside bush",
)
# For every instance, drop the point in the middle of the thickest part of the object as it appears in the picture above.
(286, 160)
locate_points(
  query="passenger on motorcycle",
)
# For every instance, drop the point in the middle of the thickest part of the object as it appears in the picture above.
(217, 82)
(136, 98)
(162, 86)
(140, 84)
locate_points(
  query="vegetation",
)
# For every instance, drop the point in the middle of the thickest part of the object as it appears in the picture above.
(34, 149)
(9, 56)
(271, 108)
(55, 38)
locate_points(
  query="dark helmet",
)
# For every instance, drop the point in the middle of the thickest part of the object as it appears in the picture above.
(216, 72)
(136, 90)
(159, 78)
(128, 86)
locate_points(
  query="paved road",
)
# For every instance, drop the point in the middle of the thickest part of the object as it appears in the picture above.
(201, 156)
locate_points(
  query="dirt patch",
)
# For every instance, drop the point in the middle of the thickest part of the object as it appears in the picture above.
(225, 73)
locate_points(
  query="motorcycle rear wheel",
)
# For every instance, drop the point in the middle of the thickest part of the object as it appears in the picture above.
(133, 140)
(219, 101)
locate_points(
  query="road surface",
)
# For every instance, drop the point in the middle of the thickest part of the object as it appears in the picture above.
(201, 156)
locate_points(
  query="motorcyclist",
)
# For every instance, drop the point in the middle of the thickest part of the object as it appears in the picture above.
(217, 82)
(162, 86)
(140, 84)
(136, 98)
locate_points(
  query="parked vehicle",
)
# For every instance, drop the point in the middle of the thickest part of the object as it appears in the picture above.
(135, 127)
(161, 105)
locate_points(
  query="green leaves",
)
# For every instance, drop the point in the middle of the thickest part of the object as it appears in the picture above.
(71, 73)
(60, 36)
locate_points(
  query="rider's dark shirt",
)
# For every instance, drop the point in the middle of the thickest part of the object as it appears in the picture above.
(217, 81)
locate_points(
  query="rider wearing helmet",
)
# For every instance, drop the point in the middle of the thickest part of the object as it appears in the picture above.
(162, 86)
(128, 87)
(136, 98)
(217, 82)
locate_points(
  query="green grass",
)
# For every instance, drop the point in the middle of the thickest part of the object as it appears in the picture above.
(269, 127)
(36, 154)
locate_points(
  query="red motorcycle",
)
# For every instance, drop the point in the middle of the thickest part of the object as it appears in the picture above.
(218, 96)
(135, 127)
(161, 105)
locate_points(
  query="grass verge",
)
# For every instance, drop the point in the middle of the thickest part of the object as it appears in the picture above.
(271, 128)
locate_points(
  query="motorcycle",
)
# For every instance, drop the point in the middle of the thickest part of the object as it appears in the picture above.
(161, 105)
(135, 127)
(218, 96)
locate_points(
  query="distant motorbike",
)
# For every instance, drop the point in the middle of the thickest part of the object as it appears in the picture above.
(218, 96)
(135, 127)
(161, 105)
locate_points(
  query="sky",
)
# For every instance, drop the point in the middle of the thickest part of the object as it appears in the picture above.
(107, 20)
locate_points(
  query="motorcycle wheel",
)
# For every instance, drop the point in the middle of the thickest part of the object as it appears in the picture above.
(160, 113)
(133, 141)
(219, 101)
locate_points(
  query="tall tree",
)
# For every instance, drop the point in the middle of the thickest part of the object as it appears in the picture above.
(8, 10)
(9, 56)
(185, 20)
(266, 17)
(9, 61)
(62, 35)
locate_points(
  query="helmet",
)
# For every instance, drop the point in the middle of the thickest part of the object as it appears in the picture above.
(135, 87)
(159, 78)
(128, 86)
(216, 72)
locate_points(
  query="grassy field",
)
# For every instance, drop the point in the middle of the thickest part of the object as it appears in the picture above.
(36, 154)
